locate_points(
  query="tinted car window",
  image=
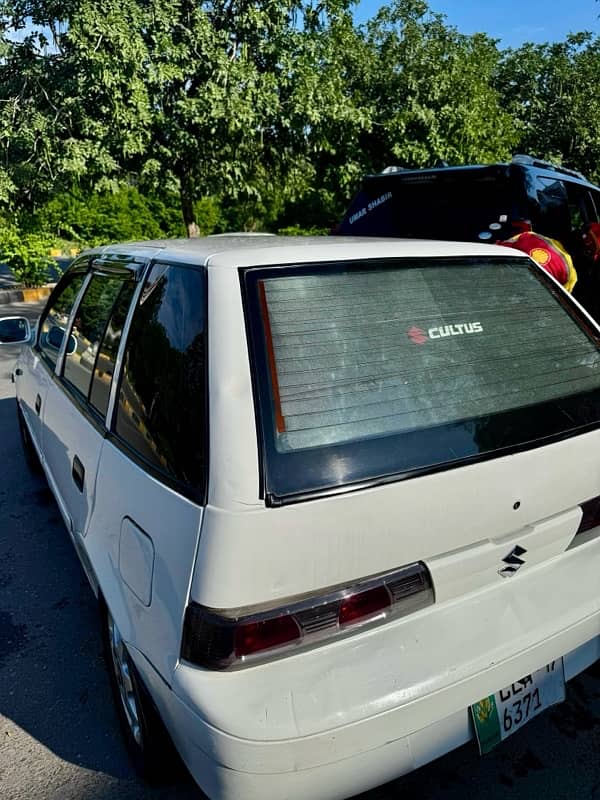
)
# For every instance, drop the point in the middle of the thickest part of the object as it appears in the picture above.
(391, 368)
(551, 217)
(107, 352)
(54, 324)
(91, 319)
(444, 206)
(579, 207)
(594, 205)
(160, 414)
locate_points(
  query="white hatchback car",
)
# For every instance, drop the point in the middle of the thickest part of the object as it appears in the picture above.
(339, 499)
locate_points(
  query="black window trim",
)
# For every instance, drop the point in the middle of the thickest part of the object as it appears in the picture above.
(132, 302)
(105, 425)
(199, 496)
(74, 269)
(249, 277)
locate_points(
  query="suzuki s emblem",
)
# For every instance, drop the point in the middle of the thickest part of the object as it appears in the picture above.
(513, 562)
(417, 335)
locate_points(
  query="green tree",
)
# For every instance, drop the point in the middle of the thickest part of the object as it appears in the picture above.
(550, 91)
(50, 134)
(424, 92)
(103, 217)
(205, 98)
(27, 254)
(432, 91)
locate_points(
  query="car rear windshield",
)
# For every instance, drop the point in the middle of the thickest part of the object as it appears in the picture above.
(459, 206)
(385, 369)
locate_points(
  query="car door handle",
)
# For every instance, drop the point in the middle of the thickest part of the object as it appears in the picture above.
(78, 473)
(38, 404)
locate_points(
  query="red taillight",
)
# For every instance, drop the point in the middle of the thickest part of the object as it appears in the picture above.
(217, 640)
(591, 515)
(255, 637)
(360, 607)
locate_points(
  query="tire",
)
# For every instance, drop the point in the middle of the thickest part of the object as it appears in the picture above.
(31, 456)
(146, 738)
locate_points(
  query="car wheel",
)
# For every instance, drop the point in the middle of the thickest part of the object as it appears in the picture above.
(146, 738)
(31, 456)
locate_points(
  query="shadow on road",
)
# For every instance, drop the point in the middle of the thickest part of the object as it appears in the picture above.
(53, 683)
(50, 652)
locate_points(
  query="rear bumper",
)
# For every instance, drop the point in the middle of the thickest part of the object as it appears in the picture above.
(399, 694)
(333, 765)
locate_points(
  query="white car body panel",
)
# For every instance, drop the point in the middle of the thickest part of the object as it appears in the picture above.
(172, 523)
(34, 380)
(68, 434)
(336, 540)
(437, 660)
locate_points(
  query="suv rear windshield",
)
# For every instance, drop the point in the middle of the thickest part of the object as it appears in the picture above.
(383, 369)
(455, 205)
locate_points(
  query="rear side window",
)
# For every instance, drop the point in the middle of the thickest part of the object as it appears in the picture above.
(161, 405)
(91, 320)
(551, 218)
(581, 208)
(367, 371)
(56, 319)
(107, 352)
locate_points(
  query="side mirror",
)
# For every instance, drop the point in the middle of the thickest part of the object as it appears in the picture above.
(71, 345)
(54, 339)
(14, 330)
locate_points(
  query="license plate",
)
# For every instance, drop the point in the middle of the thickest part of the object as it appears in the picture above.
(498, 716)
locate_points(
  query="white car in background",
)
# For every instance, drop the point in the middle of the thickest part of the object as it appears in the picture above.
(339, 499)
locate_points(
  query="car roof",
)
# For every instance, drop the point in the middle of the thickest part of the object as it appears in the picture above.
(255, 250)
(518, 162)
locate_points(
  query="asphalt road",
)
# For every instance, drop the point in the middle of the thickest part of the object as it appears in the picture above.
(58, 731)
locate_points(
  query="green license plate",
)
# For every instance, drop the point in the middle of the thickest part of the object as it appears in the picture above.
(498, 716)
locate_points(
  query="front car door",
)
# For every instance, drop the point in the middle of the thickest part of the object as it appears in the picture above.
(37, 364)
(78, 397)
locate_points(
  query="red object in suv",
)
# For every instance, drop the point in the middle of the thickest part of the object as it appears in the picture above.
(548, 253)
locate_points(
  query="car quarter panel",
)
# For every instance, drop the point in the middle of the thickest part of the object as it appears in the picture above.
(234, 477)
(172, 524)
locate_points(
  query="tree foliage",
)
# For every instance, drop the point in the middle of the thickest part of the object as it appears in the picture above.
(205, 98)
(549, 90)
(27, 254)
(431, 91)
(141, 118)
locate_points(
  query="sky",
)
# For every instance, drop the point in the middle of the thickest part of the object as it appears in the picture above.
(513, 22)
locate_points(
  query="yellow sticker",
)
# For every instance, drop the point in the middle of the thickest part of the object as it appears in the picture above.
(540, 255)
(484, 709)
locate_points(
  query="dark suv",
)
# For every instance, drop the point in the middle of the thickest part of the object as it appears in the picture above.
(482, 203)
